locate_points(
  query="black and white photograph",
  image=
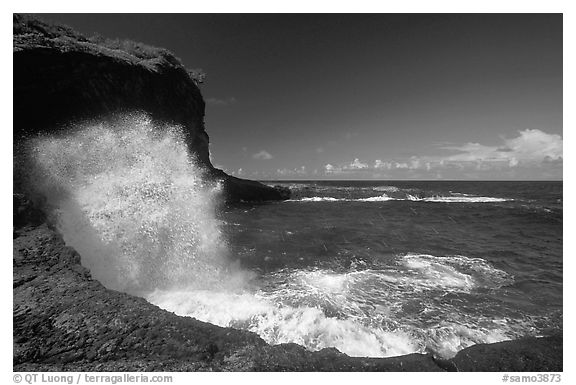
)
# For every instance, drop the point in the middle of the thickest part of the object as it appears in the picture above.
(287, 192)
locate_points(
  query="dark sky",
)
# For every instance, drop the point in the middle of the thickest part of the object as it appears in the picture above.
(361, 96)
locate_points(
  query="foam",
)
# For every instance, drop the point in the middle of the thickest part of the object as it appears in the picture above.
(457, 199)
(128, 197)
(381, 198)
(317, 199)
(408, 197)
(304, 325)
(386, 188)
(457, 272)
(360, 312)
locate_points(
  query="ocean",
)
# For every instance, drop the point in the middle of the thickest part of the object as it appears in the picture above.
(383, 268)
(372, 268)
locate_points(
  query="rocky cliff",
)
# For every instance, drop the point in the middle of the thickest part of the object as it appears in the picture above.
(61, 77)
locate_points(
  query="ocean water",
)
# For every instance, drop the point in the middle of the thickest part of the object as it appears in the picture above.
(372, 268)
(394, 267)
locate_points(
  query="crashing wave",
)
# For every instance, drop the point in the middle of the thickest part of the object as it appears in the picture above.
(408, 197)
(360, 312)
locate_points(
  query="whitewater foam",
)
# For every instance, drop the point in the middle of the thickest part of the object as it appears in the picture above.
(360, 312)
(129, 198)
(408, 197)
(456, 199)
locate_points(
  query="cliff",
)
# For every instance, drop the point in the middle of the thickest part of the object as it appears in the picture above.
(61, 77)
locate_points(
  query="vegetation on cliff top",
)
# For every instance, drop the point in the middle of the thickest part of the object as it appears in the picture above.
(29, 30)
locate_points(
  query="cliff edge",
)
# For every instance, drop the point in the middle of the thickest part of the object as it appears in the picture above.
(62, 77)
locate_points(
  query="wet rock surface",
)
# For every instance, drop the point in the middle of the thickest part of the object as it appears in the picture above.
(523, 355)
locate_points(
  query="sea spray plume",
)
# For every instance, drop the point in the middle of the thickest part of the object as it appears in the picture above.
(129, 198)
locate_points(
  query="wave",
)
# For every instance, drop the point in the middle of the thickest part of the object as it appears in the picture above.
(381, 198)
(382, 312)
(317, 199)
(314, 192)
(456, 199)
(386, 188)
(129, 198)
(408, 197)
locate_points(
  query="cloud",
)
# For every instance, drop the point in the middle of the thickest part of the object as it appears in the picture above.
(383, 165)
(530, 147)
(356, 165)
(262, 155)
(221, 102)
(532, 154)
(292, 172)
(412, 164)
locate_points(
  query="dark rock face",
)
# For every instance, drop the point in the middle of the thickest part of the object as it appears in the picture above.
(61, 77)
(523, 355)
(237, 189)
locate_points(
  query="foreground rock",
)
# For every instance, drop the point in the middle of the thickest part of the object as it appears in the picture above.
(61, 77)
(523, 355)
(66, 321)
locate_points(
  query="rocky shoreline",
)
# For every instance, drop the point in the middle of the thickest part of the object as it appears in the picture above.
(64, 320)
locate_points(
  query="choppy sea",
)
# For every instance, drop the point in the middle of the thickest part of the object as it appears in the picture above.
(394, 267)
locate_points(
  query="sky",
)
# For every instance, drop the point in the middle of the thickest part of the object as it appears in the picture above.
(368, 96)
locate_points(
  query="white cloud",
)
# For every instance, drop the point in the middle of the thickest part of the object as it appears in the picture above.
(414, 163)
(262, 155)
(330, 168)
(530, 147)
(401, 165)
(356, 165)
(292, 172)
(531, 154)
(379, 164)
(536, 145)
